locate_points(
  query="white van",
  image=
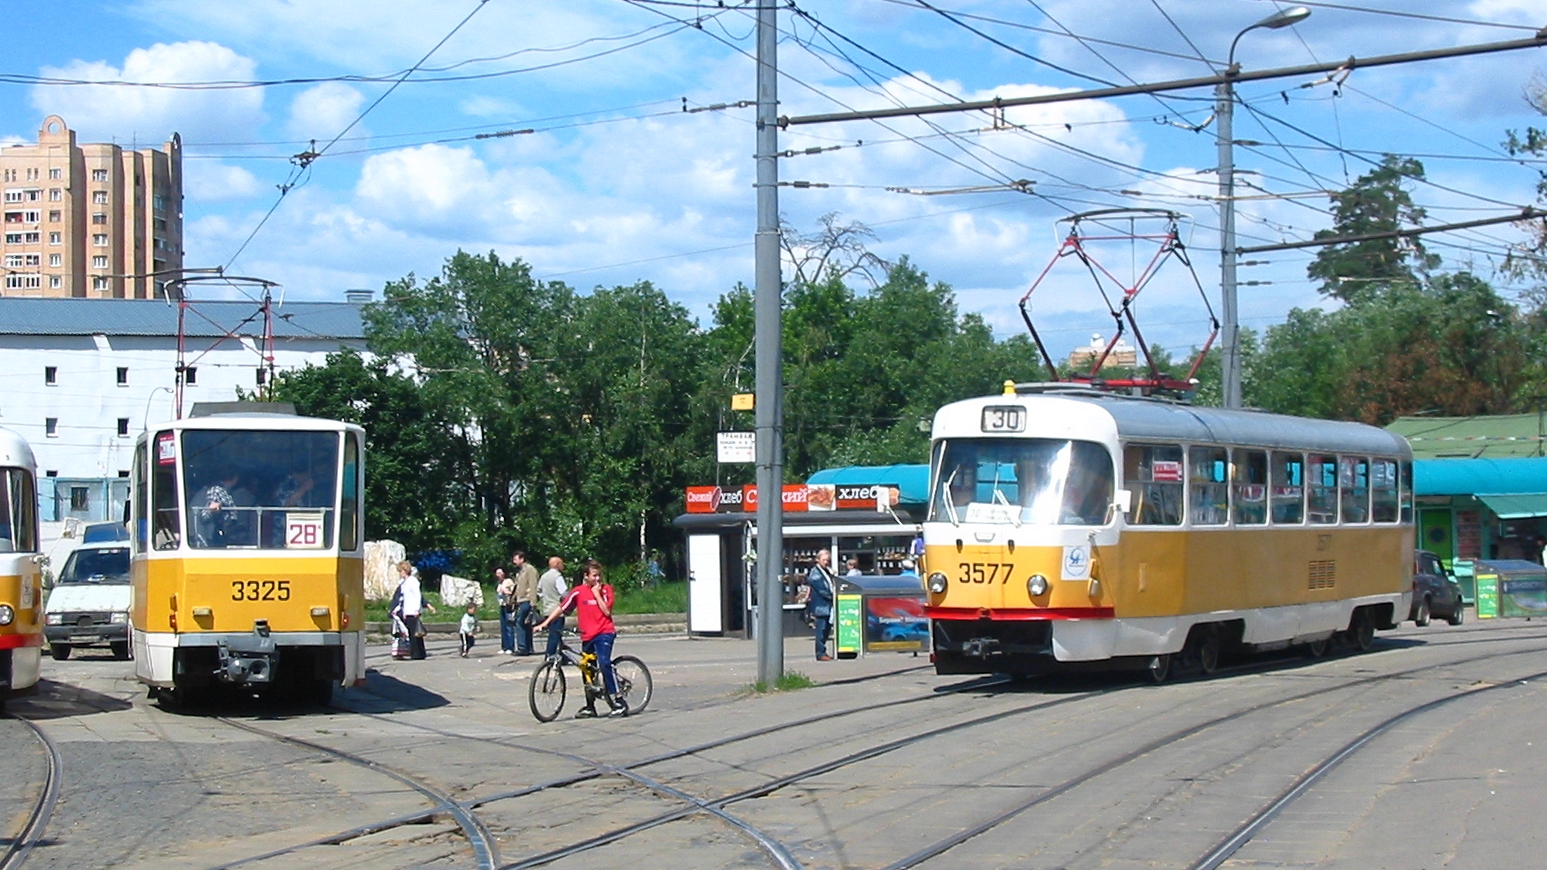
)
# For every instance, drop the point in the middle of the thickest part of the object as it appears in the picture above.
(89, 602)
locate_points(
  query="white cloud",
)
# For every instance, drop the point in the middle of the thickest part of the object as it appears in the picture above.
(323, 111)
(430, 187)
(150, 115)
(210, 181)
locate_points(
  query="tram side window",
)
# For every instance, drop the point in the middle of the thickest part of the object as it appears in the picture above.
(1321, 475)
(1384, 491)
(1287, 495)
(1407, 491)
(1153, 475)
(1208, 474)
(1251, 487)
(141, 501)
(164, 519)
(349, 510)
(1354, 485)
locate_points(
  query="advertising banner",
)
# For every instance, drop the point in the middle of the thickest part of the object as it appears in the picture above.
(896, 624)
(846, 615)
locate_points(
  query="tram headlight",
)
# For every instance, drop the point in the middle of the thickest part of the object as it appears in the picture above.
(938, 582)
(7, 614)
(1037, 585)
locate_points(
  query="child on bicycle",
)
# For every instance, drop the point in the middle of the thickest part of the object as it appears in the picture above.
(592, 603)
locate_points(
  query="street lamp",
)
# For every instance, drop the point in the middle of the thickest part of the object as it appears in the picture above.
(1230, 345)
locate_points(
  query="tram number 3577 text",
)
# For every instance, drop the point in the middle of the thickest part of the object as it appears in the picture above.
(985, 572)
(260, 590)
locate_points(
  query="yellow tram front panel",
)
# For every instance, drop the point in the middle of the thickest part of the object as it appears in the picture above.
(225, 594)
(994, 579)
(21, 591)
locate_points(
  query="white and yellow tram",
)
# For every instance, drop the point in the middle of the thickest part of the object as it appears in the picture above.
(1072, 528)
(248, 553)
(21, 572)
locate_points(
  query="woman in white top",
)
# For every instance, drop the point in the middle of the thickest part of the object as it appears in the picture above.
(413, 603)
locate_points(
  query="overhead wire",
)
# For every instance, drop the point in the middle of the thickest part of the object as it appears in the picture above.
(305, 159)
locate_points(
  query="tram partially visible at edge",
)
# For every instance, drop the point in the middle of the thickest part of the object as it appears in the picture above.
(248, 554)
(21, 570)
(1072, 529)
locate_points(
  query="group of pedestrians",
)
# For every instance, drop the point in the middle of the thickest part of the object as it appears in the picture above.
(529, 604)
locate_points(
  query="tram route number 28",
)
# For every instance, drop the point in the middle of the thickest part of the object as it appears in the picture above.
(985, 572)
(260, 590)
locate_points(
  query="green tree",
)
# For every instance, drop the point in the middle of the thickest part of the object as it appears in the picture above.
(1377, 202)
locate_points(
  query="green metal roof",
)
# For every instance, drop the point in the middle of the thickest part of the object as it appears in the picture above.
(1503, 435)
(1518, 506)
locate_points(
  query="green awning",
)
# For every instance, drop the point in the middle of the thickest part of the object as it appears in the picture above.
(1517, 506)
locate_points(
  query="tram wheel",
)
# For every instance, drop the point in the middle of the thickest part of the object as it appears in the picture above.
(1317, 648)
(1209, 650)
(1159, 668)
(1362, 632)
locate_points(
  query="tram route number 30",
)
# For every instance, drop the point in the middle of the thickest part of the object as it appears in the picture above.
(260, 590)
(985, 572)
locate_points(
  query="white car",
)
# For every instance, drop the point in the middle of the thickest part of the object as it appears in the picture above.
(89, 603)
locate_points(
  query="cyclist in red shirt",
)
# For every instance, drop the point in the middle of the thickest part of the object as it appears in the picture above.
(592, 604)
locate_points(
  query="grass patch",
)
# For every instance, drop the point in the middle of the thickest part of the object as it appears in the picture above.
(787, 682)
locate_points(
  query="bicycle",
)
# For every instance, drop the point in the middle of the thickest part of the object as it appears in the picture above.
(547, 691)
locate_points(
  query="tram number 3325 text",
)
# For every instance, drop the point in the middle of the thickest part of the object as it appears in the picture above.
(985, 572)
(260, 590)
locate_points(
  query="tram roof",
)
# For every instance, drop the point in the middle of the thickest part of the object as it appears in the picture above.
(15, 452)
(1144, 418)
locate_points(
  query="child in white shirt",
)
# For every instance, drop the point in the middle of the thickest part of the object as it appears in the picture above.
(468, 627)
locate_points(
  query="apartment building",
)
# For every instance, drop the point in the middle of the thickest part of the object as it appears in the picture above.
(96, 221)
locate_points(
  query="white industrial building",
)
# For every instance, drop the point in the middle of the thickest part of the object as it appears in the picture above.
(80, 379)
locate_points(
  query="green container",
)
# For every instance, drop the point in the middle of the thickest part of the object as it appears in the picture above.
(847, 613)
(1462, 569)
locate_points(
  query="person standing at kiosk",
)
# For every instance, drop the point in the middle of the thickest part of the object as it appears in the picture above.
(820, 579)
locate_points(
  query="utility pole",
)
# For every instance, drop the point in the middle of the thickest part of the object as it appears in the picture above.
(768, 335)
(1230, 344)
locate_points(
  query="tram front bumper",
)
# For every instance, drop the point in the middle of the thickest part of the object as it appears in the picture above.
(247, 659)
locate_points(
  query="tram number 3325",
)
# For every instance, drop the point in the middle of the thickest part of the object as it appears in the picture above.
(260, 590)
(985, 572)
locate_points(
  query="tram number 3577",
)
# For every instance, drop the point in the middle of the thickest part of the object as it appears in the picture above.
(985, 572)
(260, 590)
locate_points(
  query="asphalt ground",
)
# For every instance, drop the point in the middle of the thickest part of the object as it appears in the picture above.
(881, 764)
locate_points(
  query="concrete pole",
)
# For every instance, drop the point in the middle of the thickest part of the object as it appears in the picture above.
(1230, 341)
(768, 332)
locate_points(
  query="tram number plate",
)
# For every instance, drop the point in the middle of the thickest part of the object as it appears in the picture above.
(303, 531)
(985, 572)
(1004, 418)
(260, 590)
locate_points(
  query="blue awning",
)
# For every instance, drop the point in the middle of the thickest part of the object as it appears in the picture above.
(1476, 476)
(912, 481)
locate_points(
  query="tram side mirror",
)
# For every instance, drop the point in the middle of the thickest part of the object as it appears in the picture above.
(1124, 501)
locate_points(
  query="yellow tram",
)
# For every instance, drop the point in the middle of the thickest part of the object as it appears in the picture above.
(248, 553)
(1072, 528)
(21, 573)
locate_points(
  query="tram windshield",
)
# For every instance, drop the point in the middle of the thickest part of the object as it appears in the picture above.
(268, 490)
(1037, 481)
(17, 512)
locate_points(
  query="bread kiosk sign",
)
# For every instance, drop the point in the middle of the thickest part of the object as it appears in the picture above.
(795, 497)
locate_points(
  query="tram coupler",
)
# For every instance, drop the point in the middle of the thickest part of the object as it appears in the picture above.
(980, 647)
(248, 658)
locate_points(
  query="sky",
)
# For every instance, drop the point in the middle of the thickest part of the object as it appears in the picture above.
(616, 166)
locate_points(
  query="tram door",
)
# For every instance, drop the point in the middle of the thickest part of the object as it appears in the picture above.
(1434, 533)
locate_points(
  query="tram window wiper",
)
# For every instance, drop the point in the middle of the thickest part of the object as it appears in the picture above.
(950, 503)
(1015, 512)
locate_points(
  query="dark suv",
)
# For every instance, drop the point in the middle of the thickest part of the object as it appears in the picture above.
(1435, 592)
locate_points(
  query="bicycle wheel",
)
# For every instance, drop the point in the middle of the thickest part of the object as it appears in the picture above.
(634, 683)
(546, 691)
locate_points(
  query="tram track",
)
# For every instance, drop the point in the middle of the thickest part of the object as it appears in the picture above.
(485, 848)
(18, 847)
(941, 847)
